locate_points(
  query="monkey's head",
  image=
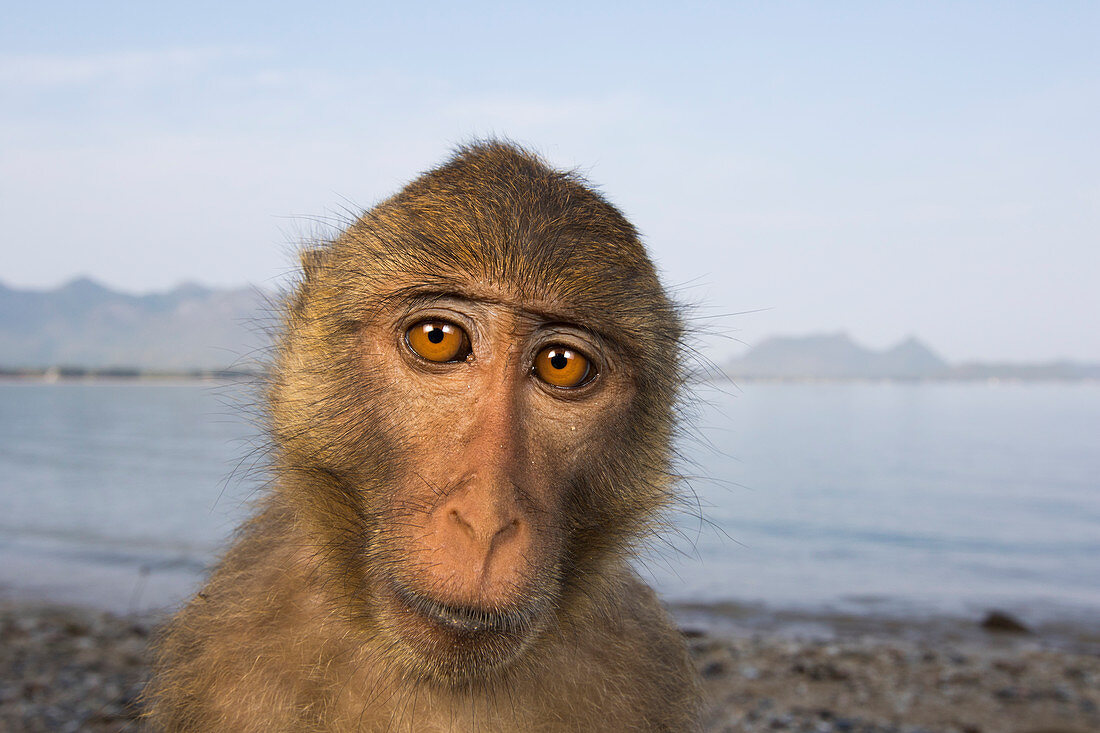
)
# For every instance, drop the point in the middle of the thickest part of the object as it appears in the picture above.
(473, 406)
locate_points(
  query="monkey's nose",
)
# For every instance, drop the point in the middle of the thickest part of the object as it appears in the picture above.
(485, 528)
(481, 547)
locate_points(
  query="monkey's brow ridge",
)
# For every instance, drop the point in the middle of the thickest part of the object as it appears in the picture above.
(411, 298)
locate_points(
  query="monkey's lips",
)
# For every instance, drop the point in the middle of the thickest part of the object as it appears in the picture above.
(468, 619)
(456, 641)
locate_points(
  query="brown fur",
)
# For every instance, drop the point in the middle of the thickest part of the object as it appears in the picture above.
(445, 547)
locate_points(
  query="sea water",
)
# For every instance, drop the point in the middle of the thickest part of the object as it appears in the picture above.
(874, 498)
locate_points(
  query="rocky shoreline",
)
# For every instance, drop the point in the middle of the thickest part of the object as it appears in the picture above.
(76, 669)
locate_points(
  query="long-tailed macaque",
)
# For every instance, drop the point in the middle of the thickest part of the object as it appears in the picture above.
(471, 410)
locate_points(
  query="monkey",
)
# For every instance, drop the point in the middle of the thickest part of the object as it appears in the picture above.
(471, 408)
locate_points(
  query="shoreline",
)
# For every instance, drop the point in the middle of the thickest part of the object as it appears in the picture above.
(157, 378)
(159, 585)
(995, 627)
(65, 667)
(157, 588)
(127, 578)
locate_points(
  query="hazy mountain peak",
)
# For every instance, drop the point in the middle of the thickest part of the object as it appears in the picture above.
(85, 324)
(836, 356)
(83, 285)
(912, 345)
(190, 289)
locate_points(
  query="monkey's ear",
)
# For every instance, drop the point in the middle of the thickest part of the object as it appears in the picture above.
(313, 261)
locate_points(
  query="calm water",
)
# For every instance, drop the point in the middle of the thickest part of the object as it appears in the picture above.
(879, 498)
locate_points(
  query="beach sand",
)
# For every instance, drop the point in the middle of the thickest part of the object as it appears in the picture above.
(75, 669)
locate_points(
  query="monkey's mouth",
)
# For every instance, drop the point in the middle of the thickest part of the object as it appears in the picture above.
(471, 621)
(460, 644)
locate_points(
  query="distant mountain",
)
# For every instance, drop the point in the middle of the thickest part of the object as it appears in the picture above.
(908, 359)
(836, 356)
(84, 324)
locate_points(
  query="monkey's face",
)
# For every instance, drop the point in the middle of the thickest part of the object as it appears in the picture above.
(474, 404)
(496, 409)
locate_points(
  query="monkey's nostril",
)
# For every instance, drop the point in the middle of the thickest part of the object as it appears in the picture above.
(508, 529)
(455, 517)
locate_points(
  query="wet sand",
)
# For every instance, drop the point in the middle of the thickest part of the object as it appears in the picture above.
(75, 669)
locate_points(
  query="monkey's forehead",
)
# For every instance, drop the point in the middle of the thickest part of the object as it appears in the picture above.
(502, 207)
(491, 235)
(568, 283)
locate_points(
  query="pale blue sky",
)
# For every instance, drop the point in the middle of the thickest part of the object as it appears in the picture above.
(883, 168)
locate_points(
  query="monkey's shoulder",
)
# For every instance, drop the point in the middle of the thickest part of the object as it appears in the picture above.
(227, 652)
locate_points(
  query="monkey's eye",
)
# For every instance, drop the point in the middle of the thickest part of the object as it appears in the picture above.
(438, 341)
(559, 366)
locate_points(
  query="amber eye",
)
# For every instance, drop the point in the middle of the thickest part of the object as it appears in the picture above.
(438, 341)
(559, 366)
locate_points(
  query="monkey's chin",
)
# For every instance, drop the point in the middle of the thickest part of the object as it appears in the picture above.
(462, 644)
